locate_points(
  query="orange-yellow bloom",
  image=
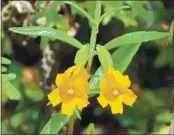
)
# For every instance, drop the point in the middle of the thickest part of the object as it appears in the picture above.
(115, 91)
(72, 89)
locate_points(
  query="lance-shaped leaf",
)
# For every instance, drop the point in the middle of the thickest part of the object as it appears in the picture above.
(135, 37)
(121, 58)
(8, 88)
(104, 56)
(55, 124)
(47, 32)
(82, 55)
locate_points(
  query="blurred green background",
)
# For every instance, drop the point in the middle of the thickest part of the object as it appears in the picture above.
(37, 60)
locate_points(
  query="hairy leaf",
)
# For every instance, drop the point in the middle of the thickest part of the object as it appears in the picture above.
(47, 32)
(135, 37)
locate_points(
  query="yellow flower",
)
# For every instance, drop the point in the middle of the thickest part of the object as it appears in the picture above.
(115, 91)
(72, 89)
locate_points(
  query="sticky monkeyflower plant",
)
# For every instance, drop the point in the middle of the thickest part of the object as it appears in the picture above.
(77, 84)
(72, 89)
(115, 90)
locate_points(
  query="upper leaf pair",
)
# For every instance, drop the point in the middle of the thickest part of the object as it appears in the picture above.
(129, 38)
(103, 54)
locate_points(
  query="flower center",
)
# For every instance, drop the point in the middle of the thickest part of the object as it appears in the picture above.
(70, 91)
(115, 92)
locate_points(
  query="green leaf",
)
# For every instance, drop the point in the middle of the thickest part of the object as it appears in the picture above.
(133, 131)
(17, 119)
(82, 55)
(49, 17)
(112, 11)
(77, 112)
(94, 81)
(17, 68)
(138, 10)
(33, 91)
(89, 6)
(47, 32)
(5, 60)
(49, 103)
(3, 69)
(55, 124)
(165, 56)
(49, 13)
(164, 117)
(7, 44)
(8, 88)
(121, 57)
(81, 10)
(11, 76)
(43, 42)
(90, 129)
(104, 56)
(135, 37)
(163, 130)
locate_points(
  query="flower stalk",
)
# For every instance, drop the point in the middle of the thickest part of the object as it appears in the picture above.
(93, 40)
(71, 125)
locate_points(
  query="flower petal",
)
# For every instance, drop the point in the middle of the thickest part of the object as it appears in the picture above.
(128, 97)
(107, 79)
(109, 70)
(54, 97)
(79, 81)
(62, 79)
(81, 103)
(80, 86)
(107, 83)
(116, 106)
(101, 99)
(70, 70)
(81, 71)
(122, 80)
(68, 108)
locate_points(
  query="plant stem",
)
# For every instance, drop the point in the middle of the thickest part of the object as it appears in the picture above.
(93, 39)
(94, 32)
(71, 125)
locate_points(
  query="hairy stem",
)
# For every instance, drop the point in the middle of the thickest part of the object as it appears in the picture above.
(93, 39)
(94, 32)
